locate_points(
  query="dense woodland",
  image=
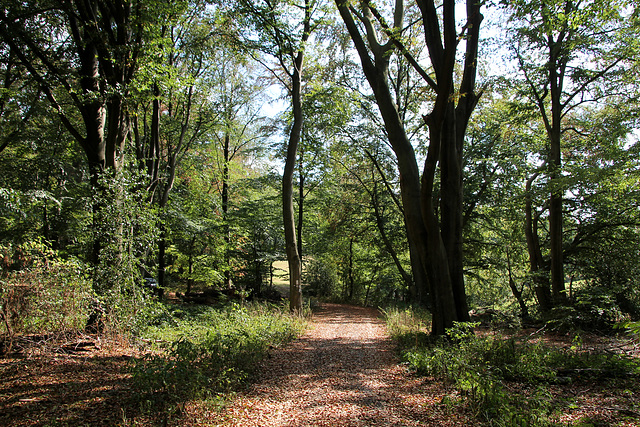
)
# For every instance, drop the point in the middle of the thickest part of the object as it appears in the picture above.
(449, 162)
(456, 157)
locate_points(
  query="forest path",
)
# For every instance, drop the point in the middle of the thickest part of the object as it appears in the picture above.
(342, 372)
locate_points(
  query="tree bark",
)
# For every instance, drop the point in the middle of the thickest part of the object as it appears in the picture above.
(555, 168)
(300, 203)
(440, 249)
(225, 210)
(291, 245)
(537, 270)
(293, 257)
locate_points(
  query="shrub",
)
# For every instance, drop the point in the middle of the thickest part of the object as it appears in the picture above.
(481, 367)
(407, 325)
(321, 278)
(40, 293)
(210, 351)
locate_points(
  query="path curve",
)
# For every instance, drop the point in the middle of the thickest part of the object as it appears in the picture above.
(342, 372)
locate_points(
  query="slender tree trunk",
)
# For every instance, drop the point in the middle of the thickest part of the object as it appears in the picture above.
(190, 279)
(352, 282)
(162, 247)
(555, 209)
(406, 277)
(291, 245)
(300, 204)
(225, 210)
(517, 293)
(293, 256)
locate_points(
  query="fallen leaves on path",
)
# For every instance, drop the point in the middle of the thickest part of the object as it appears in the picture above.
(67, 385)
(343, 372)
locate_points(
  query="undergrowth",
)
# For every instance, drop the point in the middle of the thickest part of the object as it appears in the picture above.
(204, 352)
(502, 381)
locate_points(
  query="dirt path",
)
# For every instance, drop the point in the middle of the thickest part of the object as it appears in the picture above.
(342, 372)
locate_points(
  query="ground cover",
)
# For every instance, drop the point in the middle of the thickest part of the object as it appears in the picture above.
(345, 370)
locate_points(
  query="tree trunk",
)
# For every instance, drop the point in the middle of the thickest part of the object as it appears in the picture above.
(162, 246)
(406, 277)
(537, 271)
(225, 210)
(351, 280)
(555, 219)
(423, 231)
(452, 212)
(300, 204)
(291, 246)
(554, 131)
(293, 256)
(517, 293)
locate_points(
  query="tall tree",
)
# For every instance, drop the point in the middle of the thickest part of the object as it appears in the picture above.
(572, 54)
(176, 113)
(237, 93)
(440, 246)
(284, 30)
(84, 56)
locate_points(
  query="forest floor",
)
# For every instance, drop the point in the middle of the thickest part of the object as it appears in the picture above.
(343, 371)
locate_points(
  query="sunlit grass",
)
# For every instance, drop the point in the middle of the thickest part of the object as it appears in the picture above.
(204, 351)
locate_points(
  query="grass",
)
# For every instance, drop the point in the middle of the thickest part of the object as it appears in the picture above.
(205, 352)
(281, 276)
(503, 381)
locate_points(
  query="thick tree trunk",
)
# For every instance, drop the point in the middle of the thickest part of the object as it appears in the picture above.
(426, 246)
(538, 273)
(452, 212)
(444, 311)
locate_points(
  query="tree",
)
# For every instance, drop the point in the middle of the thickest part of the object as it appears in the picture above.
(284, 31)
(84, 57)
(440, 247)
(571, 54)
(237, 92)
(174, 110)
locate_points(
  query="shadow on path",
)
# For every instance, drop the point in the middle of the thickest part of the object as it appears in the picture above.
(342, 372)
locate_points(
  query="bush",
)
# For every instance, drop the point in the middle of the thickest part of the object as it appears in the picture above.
(407, 325)
(481, 367)
(321, 278)
(40, 293)
(209, 351)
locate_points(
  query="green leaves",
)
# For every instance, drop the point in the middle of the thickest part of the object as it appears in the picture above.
(210, 350)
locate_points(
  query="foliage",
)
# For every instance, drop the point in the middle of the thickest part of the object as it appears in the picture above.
(183, 126)
(126, 228)
(321, 278)
(481, 367)
(40, 293)
(206, 350)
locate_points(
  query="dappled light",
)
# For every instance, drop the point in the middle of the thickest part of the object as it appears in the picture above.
(343, 371)
(319, 213)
